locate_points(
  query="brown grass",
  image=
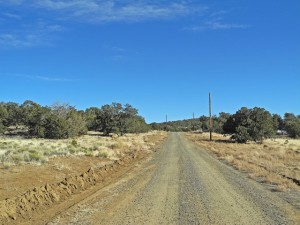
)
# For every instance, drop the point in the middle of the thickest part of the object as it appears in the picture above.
(270, 162)
(19, 151)
(19, 172)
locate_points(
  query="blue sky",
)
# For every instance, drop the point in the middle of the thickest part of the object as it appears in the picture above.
(163, 57)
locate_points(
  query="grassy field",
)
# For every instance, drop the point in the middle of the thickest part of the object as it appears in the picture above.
(29, 163)
(20, 151)
(276, 161)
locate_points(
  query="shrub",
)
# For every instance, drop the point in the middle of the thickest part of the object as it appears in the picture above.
(293, 128)
(242, 135)
(55, 127)
(35, 156)
(251, 124)
(88, 153)
(103, 154)
(18, 158)
(7, 165)
(74, 143)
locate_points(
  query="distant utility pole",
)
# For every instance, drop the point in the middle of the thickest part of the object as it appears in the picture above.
(210, 119)
(193, 122)
(166, 126)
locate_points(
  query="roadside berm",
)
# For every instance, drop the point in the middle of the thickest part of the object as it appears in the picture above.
(43, 197)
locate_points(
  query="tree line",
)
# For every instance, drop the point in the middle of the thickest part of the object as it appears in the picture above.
(64, 121)
(61, 120)
(245, 125)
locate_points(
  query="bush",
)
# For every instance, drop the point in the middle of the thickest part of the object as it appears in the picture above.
(103, 154)
(35, 156)
(74, 143)
(293, 128)
(251, 124)
(55, 127)
(2, 128)
(242, 135)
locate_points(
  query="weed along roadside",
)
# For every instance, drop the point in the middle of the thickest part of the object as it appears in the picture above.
(274, 163)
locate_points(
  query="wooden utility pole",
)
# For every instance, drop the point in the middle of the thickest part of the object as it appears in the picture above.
(166, 126)
(210, 119)
(193, 122)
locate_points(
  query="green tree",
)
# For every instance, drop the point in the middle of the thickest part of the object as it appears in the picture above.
(242, 134)
(251, 124)
(240, 118)
(155, 126)
(14, 117)
(137, 124)
(230, 125)
(107, 118)
(279, 121)
(76, 123)
(262, 124)
(127, 119)
(218, 122)
(3, 117)
(70, 121)
(204, 120)
(91, 118)
(55, 127)
(116, 118)
(34, 116)
(292, 125)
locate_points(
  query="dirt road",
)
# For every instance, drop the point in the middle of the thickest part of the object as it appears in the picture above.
(181, 184)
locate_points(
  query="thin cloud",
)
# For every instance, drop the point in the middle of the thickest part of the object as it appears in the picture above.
(114, 48)
(216, 26)
(44, 78)
(226, 26)
(25, 33)
(9, 15)
(12, 2)
(96, 11)
(40, 34)
(119, 58)
(20, 40)
(215, 21)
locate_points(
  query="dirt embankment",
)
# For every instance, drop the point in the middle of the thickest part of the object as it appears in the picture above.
(32, 203)
(41, 198)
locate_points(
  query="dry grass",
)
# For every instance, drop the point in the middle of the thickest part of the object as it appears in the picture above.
(270, 162)
(19, 151)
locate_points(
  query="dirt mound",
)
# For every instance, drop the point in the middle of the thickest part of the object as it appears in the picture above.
(41, 198)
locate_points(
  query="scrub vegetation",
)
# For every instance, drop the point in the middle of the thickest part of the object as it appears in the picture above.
(20, 151)
(61, 120)
(274, 162)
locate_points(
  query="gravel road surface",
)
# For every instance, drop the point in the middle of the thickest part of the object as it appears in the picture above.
(181, 184)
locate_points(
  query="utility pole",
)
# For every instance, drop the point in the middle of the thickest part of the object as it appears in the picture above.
(210, 119)
(193, 122)
(166, 127)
